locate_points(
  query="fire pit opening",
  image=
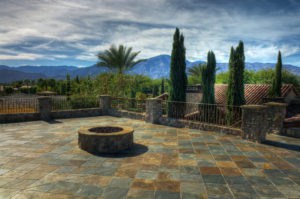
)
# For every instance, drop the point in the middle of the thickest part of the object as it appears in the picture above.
(105, 139)
(106, 129)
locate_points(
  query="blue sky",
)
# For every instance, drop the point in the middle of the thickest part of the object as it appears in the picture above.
(65, 32)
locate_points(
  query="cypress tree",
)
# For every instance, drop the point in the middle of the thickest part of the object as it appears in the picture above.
(77, 79)
(235, 92)
(277, 82)
(208, 79)
(68, 86)
(178, 78)
(230, 89)
(182, 74)
(240, 67)
(155, 90)
(162, 88)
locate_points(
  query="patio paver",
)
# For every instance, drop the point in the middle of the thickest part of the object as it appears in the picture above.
(42, 160)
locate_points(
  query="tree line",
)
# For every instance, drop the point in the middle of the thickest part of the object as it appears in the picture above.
(118, 83)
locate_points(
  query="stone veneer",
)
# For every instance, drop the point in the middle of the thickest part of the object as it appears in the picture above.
(275, 115)
(126, 114)
(87, 112)
(20, 117)
(153, 110)
(105, 103)
(44, 108)
(98, 143)
(254, 122)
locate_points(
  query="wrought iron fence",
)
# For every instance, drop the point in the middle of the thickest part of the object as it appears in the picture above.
(129, 104)
(78, 102)
(18, 105)
(207, 113)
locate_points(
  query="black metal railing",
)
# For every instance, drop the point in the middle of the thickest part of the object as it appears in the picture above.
(206, 113)
(129, 104)
(18, 105)
(69, 103)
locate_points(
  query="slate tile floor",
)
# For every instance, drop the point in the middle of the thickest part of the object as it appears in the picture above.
(42, 160)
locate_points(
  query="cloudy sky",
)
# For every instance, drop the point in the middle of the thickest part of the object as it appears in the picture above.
(66, 32)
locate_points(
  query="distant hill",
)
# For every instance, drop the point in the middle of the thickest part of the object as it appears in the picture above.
(57, 72)
(155, 67)
(8, 75)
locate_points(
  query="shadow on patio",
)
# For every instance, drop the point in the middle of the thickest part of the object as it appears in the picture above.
(136, 150)
(284, 142)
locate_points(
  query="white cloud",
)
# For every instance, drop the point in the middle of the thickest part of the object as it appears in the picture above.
(269, 53)
(87, 27)
(21, 56)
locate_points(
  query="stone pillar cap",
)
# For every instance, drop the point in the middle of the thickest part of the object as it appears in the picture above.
(275, 104)
(253, 106)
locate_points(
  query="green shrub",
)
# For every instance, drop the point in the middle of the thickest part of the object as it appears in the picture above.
(78, 102)
(140, 96)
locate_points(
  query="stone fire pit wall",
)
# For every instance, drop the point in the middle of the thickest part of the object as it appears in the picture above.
(98, 143)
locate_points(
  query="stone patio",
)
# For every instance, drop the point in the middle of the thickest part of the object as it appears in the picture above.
(42, 160)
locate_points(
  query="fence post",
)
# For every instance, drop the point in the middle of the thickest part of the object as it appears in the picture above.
(45, 107)
(276, 114)
(105, 103)
(153, 110)
(254, 122)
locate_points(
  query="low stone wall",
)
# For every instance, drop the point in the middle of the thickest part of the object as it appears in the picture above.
(20, 117)
(126, 114)
(88, 112)
(292, 132)
(201, 126)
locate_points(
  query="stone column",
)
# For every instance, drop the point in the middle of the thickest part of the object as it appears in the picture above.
(254, 122)
(153, 110)
(105, 103)
(275, 115)
(45, 107)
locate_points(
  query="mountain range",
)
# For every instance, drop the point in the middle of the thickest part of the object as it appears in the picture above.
(155, 67)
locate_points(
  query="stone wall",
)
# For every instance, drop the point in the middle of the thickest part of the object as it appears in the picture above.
(126, 114)
(20, 117)
(88, 112)
(257, 120)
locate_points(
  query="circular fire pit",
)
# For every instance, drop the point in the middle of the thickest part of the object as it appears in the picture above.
(105, 139)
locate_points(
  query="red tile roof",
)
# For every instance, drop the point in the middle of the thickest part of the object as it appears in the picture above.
(254, 93)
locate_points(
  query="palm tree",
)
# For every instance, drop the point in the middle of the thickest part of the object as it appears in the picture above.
(118, 59)
(196, 70)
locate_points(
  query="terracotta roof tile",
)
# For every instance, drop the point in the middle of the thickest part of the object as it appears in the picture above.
(254, 93)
